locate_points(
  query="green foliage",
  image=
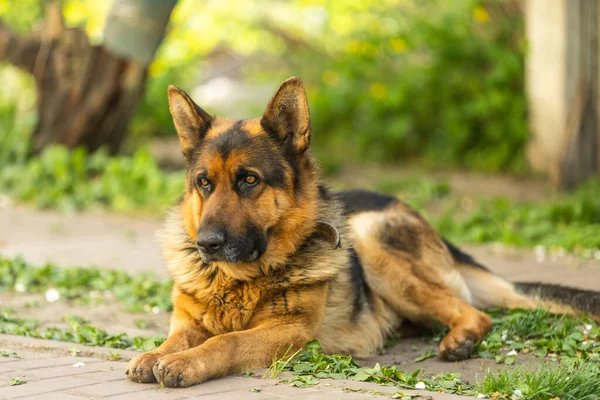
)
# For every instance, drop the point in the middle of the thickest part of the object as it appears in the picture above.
(312, 363)
(541, 333)
(571, 379)
(436, 80)
(87, 285)
(428, 354)
(16, 381)
(571, 222)
(445, 82)
(75, 181)
(536, 332)
(17, 116)
(9, 354)
(79, 332)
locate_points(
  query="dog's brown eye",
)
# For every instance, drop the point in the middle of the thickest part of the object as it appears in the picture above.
(204, 182)
(250, 180)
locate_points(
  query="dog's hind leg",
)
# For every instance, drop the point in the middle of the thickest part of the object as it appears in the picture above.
(409, 266)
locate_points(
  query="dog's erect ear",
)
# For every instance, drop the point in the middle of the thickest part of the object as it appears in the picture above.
(287, 115)
(190, 120)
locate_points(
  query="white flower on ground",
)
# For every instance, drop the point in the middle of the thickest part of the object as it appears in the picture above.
(587, 328)
(420, 385)
(481, 396)
(512, 353)
(20, 288)
(52, 295)
(79, 364)
(155, 310)
(517, 393)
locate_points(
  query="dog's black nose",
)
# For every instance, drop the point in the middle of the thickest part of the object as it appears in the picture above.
(210, 241)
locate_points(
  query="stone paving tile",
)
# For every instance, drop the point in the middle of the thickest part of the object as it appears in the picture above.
(155, 393)
(104, 375)
(243, 394)
(7, 360)
(31, 355)
(106, 389)
(56, 372)
(222, 385)
(43, 386)
(60, 395)
(27, 364)
(5, 370)
(56, 378)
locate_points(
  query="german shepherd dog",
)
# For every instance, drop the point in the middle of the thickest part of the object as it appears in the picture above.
(263, 256)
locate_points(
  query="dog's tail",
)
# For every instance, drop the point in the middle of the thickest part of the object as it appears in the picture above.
(490, 290)
(561, 299)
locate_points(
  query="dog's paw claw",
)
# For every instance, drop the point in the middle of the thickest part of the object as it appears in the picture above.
(140, 368)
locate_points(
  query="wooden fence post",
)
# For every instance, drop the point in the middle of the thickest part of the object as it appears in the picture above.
(563, 87)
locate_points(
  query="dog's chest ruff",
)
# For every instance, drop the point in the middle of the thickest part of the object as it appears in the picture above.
(229, 308)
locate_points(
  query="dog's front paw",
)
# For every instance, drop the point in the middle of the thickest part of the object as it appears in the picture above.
(177, 370)
(139, 369)
(457, 345)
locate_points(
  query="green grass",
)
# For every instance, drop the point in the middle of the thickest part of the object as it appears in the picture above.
(141, 292)
(311, 365)
(79, 331)
(536, 332)
(569, 380)
(571, 222)
(77, 181)
(541, 333)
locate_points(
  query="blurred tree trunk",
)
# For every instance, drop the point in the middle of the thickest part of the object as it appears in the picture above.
(87, 94)
(563, 86)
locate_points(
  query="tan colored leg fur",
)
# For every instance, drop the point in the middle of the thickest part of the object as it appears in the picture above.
(417, 277)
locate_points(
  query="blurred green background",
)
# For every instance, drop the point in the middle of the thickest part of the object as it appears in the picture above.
(436, 81)
(401, 92)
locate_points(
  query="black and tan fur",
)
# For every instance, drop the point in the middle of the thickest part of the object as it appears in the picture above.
(263, 256)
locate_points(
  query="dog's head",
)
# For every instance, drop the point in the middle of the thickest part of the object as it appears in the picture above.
(251, 191)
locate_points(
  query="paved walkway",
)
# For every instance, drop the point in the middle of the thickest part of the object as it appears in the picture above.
(129, 244)
(50, 373)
